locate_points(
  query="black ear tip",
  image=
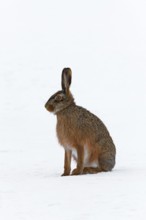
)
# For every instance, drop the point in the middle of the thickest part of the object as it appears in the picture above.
(66, 78)
(66, 70)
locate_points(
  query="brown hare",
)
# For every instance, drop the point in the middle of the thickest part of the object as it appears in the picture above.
(82, 134)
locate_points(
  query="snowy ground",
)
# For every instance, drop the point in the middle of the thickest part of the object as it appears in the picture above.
(104, 44)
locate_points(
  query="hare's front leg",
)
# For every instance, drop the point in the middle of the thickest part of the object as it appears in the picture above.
(80, 161)
(67, 162)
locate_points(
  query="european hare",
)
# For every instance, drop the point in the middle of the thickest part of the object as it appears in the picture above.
(82, 134)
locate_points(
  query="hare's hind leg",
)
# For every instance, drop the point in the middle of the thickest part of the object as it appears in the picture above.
(106, 163)
(91, 170)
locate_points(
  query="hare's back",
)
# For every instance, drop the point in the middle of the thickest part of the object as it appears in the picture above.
(88, 120)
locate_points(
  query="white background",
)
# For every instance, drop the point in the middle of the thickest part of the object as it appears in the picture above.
(104, 42)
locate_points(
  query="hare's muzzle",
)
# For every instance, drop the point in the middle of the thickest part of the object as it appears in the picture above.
(49, 107)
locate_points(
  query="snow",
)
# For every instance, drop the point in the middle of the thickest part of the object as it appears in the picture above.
(104, 44)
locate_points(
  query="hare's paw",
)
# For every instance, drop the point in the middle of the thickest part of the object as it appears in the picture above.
(76, 172)
(91, 170)
(86, 170)
(66, 174)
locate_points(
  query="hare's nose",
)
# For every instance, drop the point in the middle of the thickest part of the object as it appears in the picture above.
(49, 107)
(45, 105)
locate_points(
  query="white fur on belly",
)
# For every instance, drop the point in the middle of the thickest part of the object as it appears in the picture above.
(86, 156)
(86, 159)
(74, 151)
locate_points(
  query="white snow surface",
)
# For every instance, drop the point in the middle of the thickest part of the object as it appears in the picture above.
(104, 42)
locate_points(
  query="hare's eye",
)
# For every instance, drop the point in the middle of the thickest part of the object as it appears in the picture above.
(58, 98)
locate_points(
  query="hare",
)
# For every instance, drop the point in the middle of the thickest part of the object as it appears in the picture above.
(82, 134)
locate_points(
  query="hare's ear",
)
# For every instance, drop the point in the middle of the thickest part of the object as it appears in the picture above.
(66, 79)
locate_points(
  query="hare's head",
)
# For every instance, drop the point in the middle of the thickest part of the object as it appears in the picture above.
(62, 98)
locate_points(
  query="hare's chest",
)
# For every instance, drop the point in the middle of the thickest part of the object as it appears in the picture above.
(65, 134)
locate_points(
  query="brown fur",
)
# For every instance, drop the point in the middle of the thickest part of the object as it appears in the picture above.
(80, 131)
